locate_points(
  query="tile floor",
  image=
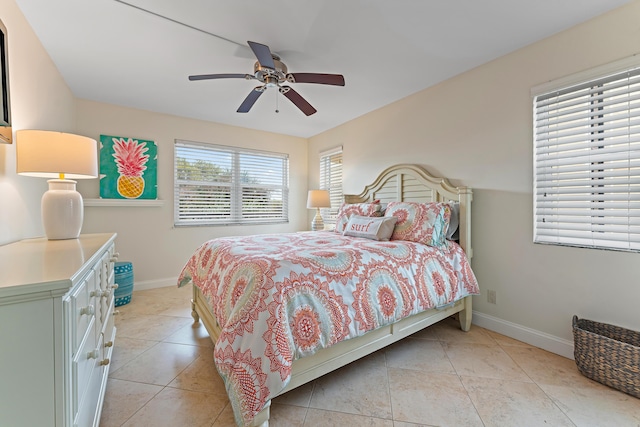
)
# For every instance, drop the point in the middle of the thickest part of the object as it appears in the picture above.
(162, 374)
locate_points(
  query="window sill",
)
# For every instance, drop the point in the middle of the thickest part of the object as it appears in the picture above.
(124, 202)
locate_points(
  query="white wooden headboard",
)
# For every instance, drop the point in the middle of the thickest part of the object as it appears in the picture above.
(413, 183)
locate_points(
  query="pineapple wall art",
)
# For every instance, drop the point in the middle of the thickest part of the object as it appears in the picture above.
(128, 168)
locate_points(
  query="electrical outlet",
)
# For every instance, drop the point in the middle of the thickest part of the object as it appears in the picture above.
(491, 297)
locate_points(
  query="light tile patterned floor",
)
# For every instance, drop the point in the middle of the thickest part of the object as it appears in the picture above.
(162, 374)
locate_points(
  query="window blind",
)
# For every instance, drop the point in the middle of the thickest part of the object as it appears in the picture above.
(331, 179)
(225, 185)
(587, 163)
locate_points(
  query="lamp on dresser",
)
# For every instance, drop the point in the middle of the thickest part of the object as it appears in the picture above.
(62, 157)
(315, 200)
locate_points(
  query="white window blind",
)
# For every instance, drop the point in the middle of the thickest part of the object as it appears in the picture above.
(587, 163)
(225, 185)
(331, 179)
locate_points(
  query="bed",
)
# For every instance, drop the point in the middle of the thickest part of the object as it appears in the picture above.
(296, 306)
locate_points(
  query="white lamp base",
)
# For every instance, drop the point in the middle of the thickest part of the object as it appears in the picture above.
(62, 210)
(317, 223)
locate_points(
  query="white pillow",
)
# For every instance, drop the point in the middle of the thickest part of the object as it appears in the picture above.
(348, 209)
(375, 228)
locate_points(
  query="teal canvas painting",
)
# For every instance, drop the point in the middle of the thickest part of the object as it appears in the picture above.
(128, 168)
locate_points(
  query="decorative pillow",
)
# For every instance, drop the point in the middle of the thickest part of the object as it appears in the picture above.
(425, 223)
(363, 209)
(379, 228)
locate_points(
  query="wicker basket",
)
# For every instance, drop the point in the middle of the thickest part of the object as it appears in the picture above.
(608, 354)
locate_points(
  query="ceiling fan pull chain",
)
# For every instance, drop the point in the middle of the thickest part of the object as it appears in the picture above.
(277, 92)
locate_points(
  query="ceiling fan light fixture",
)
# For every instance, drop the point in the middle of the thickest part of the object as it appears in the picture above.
(271, 81)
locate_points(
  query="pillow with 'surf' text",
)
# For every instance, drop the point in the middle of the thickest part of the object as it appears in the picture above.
(375, 228)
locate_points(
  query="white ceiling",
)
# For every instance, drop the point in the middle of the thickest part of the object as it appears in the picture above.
(139, 53)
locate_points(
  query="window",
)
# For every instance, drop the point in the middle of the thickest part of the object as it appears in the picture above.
(331, 179)
(587, 159)
(215, 184)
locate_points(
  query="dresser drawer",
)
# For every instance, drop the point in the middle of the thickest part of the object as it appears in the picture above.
(110, 263)
(106, 342)
(109, 330)
(83, 306)
(83, 364)
(89, 401)
(104, 267)
(106, 285)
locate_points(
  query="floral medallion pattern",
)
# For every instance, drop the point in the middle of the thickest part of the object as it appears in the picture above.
(281, 297)
(304, 316)
(381, 298)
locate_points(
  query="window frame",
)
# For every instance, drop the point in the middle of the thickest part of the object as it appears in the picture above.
(331, 180)
(605, 226)
(234, 213)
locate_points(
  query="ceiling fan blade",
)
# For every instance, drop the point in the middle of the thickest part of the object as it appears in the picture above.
(323, 79)
(251, 99)
(221, 76)
(298, 100)
(263, 53)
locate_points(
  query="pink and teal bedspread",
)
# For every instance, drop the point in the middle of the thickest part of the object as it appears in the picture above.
(284, 296)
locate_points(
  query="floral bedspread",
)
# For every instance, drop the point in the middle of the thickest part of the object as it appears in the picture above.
(284, 296)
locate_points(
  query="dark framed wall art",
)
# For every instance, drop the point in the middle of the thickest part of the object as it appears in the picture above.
(5, 105)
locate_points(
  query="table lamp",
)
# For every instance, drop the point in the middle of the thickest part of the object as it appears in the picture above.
(315, 200)
(63, 157)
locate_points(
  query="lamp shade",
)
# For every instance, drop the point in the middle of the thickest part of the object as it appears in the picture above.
(318, 199)
(48, 154)
(59, 156)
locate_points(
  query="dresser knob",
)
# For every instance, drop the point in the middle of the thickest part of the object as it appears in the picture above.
(93, 354)
(115, 257)
(104, 362)
(97, 293)
(116, 312)
(115, 286)
(108, 344)
(88, 310)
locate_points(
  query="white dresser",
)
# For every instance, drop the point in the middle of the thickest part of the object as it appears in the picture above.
(56, 330)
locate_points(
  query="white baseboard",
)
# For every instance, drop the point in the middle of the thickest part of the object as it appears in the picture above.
(522, 333)
(512, 330)
(152, 284)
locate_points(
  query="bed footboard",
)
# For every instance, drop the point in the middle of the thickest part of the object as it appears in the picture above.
(329, 359)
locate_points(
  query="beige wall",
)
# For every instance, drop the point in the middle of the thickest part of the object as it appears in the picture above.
(40, 99)
(476, 128)
(146, 235)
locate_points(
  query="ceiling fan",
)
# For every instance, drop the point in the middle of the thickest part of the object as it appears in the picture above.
(270, 71)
